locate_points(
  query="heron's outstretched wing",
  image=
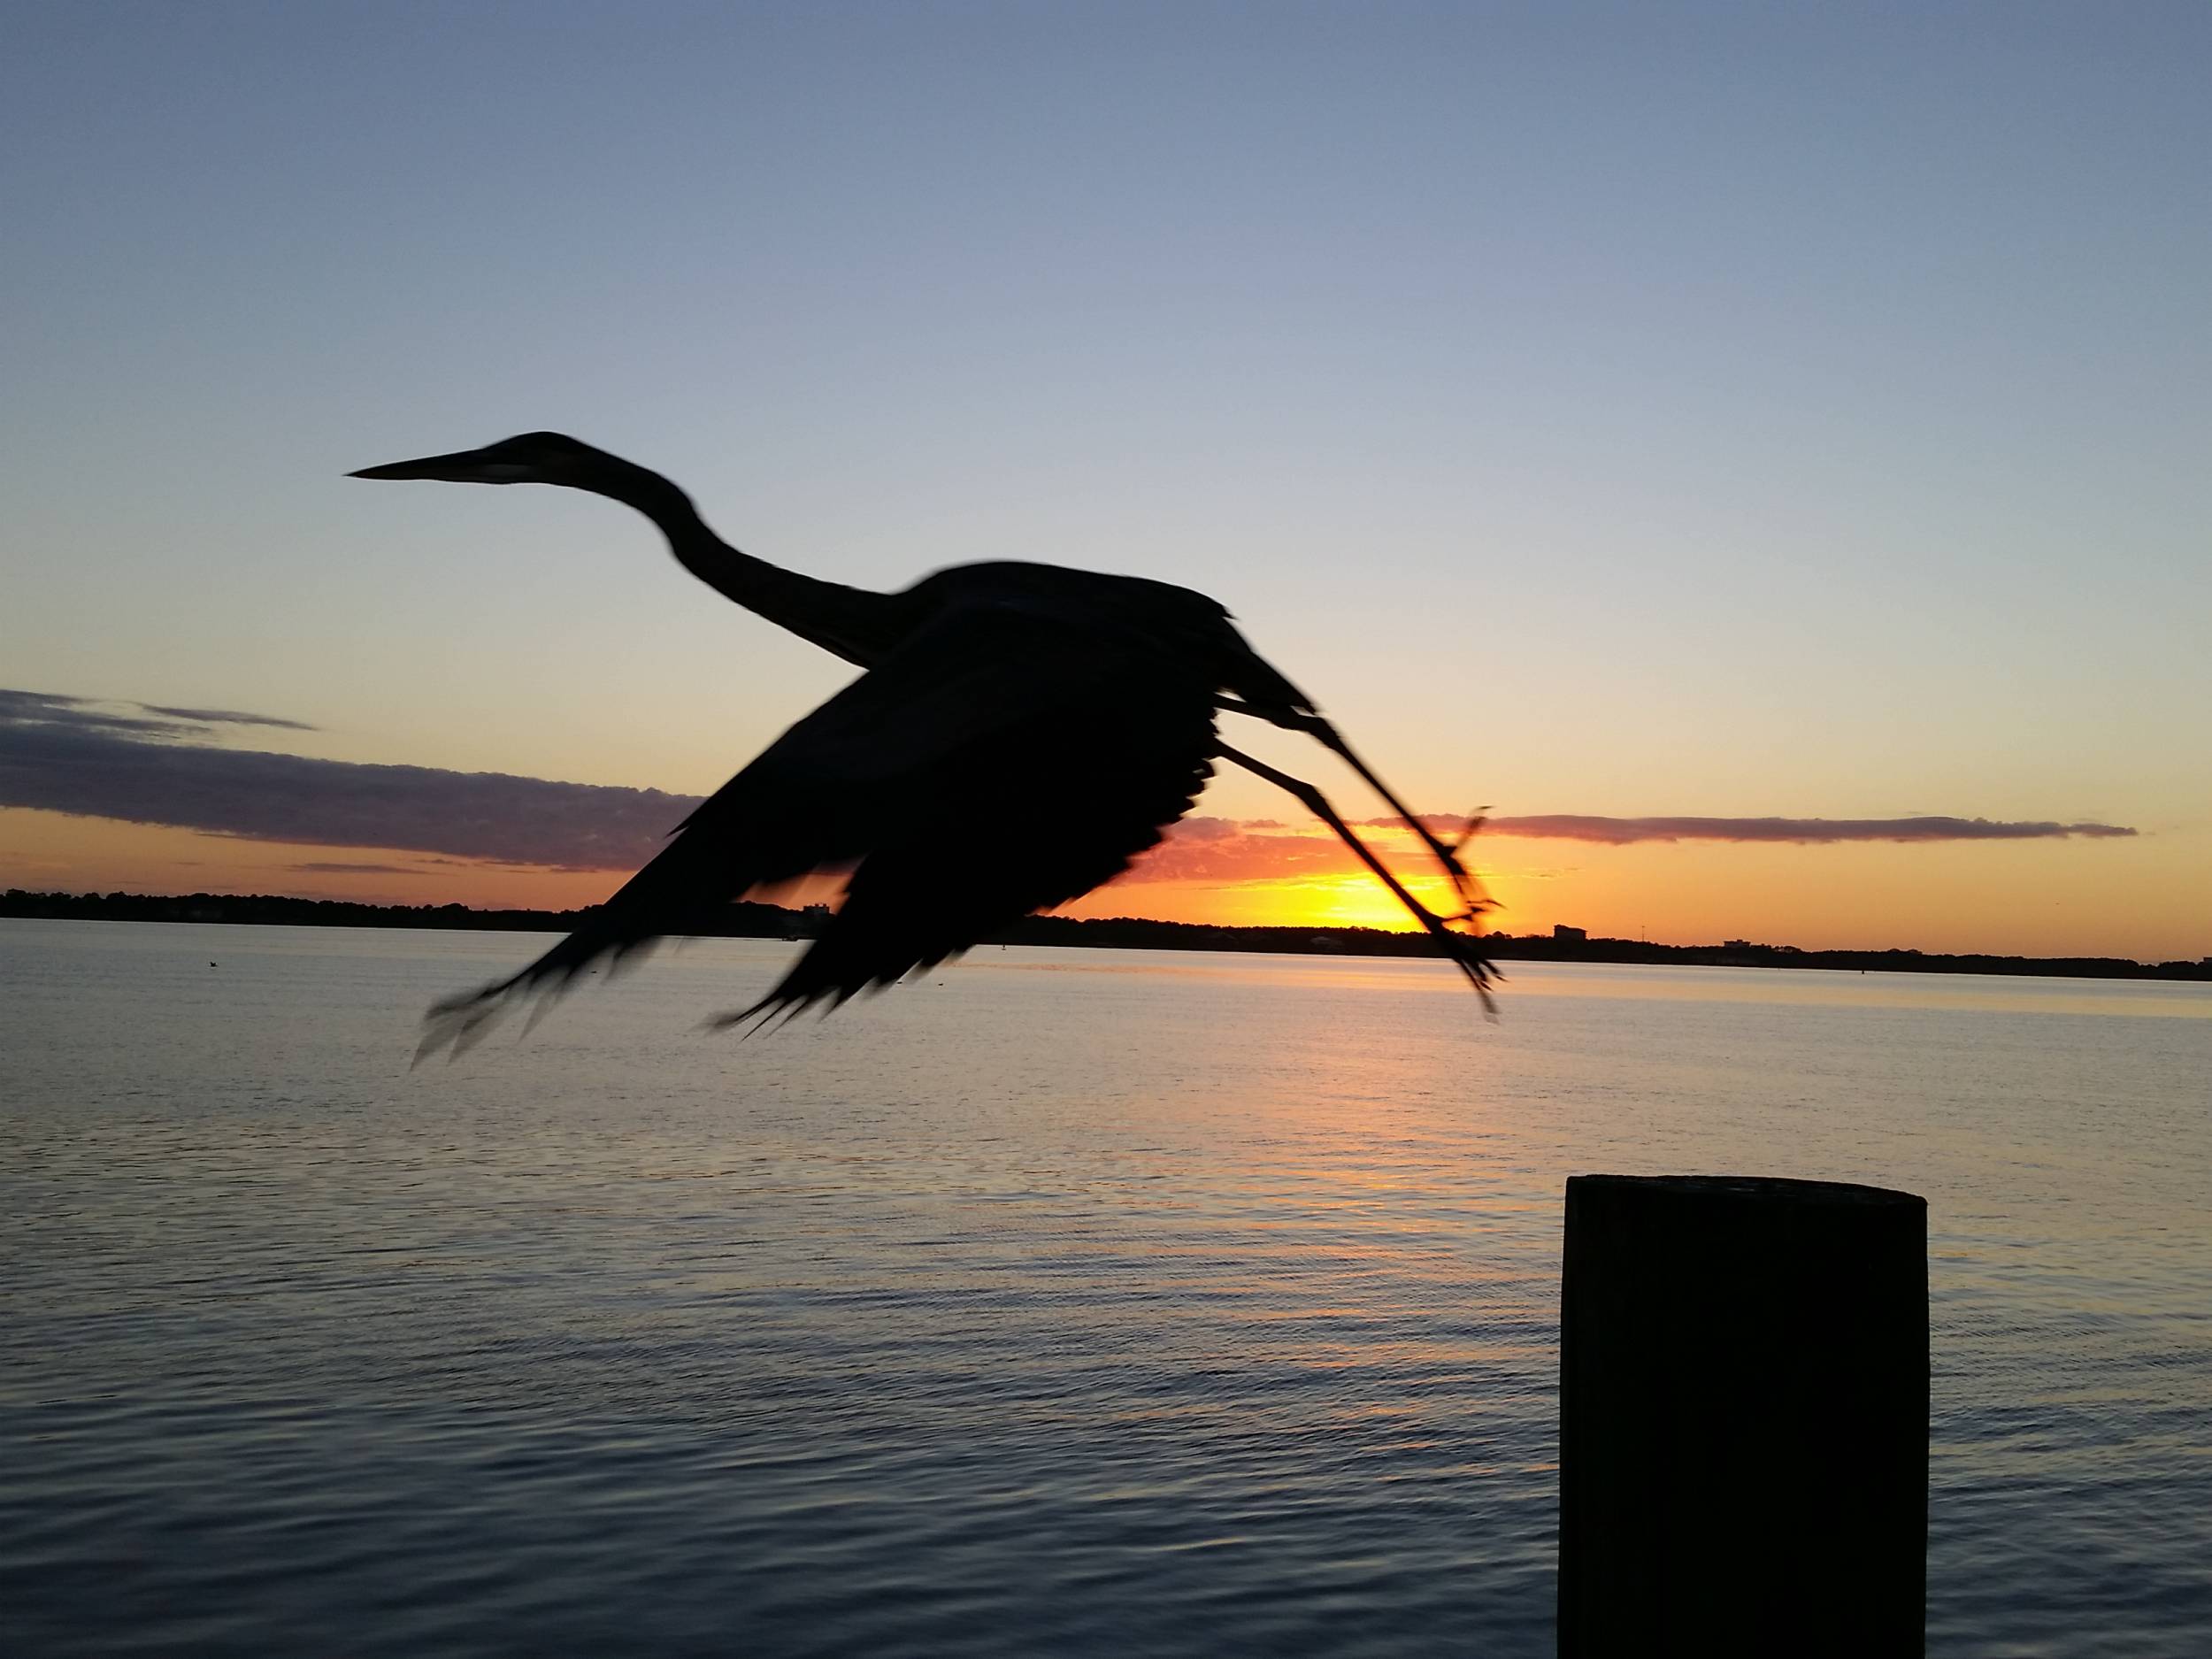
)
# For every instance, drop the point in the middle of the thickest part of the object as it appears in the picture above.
(997, 762)
(1036, 812)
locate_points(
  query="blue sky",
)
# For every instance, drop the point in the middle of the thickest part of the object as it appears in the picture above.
(1707, 410)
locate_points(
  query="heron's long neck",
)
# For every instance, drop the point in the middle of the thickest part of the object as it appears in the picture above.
(852, 622)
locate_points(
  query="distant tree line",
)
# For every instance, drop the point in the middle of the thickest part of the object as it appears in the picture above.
(743, 920)
(748, 920)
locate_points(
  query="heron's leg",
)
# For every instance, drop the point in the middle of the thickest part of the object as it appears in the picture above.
(1448, 857)
(1464, 952)
(1319, 729)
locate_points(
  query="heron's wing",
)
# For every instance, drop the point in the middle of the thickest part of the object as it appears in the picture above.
(906, 761)
(1034, 812)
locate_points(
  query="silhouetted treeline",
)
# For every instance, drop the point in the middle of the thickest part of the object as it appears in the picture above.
(747, 920)
(1741, 955)
(744, 921)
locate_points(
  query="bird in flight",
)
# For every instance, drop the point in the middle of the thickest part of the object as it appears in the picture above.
(1074, 711)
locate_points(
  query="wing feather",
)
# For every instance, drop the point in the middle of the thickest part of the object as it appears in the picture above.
(999, 762)
(1049, 809)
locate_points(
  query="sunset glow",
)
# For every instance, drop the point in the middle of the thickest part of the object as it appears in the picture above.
(1958, 897)
(1767, 478)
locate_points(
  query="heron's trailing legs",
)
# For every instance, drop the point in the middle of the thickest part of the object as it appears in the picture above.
(1319, 729)
(1464, 951)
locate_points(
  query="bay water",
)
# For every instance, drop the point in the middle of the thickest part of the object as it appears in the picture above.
(1061, 1303)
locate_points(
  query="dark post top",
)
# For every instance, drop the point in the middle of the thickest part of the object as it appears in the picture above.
(1743, 1419)
(1750, 1188)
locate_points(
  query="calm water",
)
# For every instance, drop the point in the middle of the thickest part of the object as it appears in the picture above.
(1074, 1302)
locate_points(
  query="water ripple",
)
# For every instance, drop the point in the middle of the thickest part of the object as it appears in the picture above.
(1084, 1304)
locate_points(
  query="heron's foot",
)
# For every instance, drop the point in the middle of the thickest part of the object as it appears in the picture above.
(1462, 947)
(1463, 950)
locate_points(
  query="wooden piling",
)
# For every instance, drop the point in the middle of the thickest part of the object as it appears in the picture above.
(1743, 1419)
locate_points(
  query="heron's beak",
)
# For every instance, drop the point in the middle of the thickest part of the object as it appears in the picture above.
(463, 466)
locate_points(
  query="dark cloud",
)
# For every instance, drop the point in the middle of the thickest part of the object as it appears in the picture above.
(21, 709)
(1211, 850)
(165, 724)
(70, 754)
(355, 870)
(226, 716)
(1621, 831)
(160, 765)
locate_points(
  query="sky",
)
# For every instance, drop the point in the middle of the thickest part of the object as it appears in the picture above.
(1756, 452)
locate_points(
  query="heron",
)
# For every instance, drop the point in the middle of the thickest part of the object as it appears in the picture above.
(1019, 734)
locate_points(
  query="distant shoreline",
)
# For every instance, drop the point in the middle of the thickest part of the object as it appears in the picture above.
(747, 920)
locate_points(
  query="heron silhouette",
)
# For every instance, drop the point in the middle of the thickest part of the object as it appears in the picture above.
(1021, 733)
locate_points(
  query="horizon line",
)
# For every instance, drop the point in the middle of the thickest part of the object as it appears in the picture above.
(1314, 930)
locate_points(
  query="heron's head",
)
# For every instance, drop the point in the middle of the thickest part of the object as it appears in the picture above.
(535, 457)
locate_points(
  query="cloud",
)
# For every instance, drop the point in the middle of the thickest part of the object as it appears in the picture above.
(1217, 851)
(1805, 831)
(1259, 849)
(71, 755)
(1619, 832)
(150, 763)
(225, 716)
(1207, 829)
(38, 708)
(1445, 825)
(355, 870)
(168, 724)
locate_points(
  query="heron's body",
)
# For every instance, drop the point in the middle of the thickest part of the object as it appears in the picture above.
(1022, 732)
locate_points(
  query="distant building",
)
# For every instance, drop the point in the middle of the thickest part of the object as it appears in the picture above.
(1565, 935)
(808, 923)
